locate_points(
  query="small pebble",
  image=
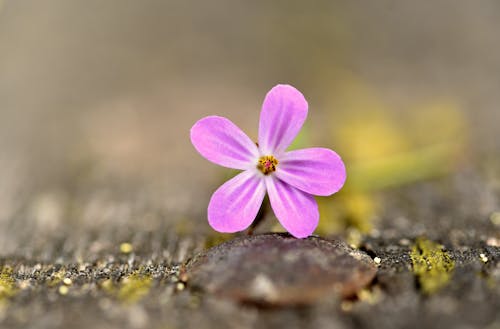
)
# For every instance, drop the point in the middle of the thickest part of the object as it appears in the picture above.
(346, 306)
(67, 281)
(483, 257)
(493, 242)
(377, 260)
(180, 286)
(367, 296)
(495, 218)
(126, 248)
(404, 242)
(63, 290)
(354, 238)
(24, 284)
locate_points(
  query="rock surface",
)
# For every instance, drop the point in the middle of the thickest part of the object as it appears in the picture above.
(277, 269)
(103, 198)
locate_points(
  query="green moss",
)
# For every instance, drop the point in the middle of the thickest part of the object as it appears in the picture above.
(348, 210)
(431, 264)
(130, 289)
(7, 284)
(134, 287)
(215, 239)
(56, 278)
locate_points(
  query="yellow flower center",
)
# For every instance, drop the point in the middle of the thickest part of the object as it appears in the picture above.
(267, 164)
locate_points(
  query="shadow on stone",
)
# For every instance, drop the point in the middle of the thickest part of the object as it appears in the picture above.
(278, 270)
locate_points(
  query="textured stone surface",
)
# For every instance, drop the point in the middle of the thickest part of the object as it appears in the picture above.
(103, 198)
(277, 269)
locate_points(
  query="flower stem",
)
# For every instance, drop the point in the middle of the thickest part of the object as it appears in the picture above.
(261, 215)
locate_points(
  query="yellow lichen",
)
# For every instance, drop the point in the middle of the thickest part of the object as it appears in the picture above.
(370, 296)
(7, 284)
(131, 288)
(108, 286)
(431, 264)
(56, 278)
(215, 239)
(348, 210)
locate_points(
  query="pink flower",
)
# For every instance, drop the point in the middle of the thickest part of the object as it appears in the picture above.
(290, 178)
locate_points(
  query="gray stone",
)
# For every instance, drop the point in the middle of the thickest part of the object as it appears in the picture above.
(278, 269)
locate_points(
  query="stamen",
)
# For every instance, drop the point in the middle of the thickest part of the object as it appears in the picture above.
(267, 164)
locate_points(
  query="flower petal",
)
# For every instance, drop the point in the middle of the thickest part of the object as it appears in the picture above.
(222, 142)
(283, 113)
(297, 211)
(317, 171)
(235, 204)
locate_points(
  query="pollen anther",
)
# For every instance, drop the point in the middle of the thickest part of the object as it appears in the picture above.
(267, 164)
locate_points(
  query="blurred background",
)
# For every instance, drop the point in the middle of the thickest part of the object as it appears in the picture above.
(97, 99)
